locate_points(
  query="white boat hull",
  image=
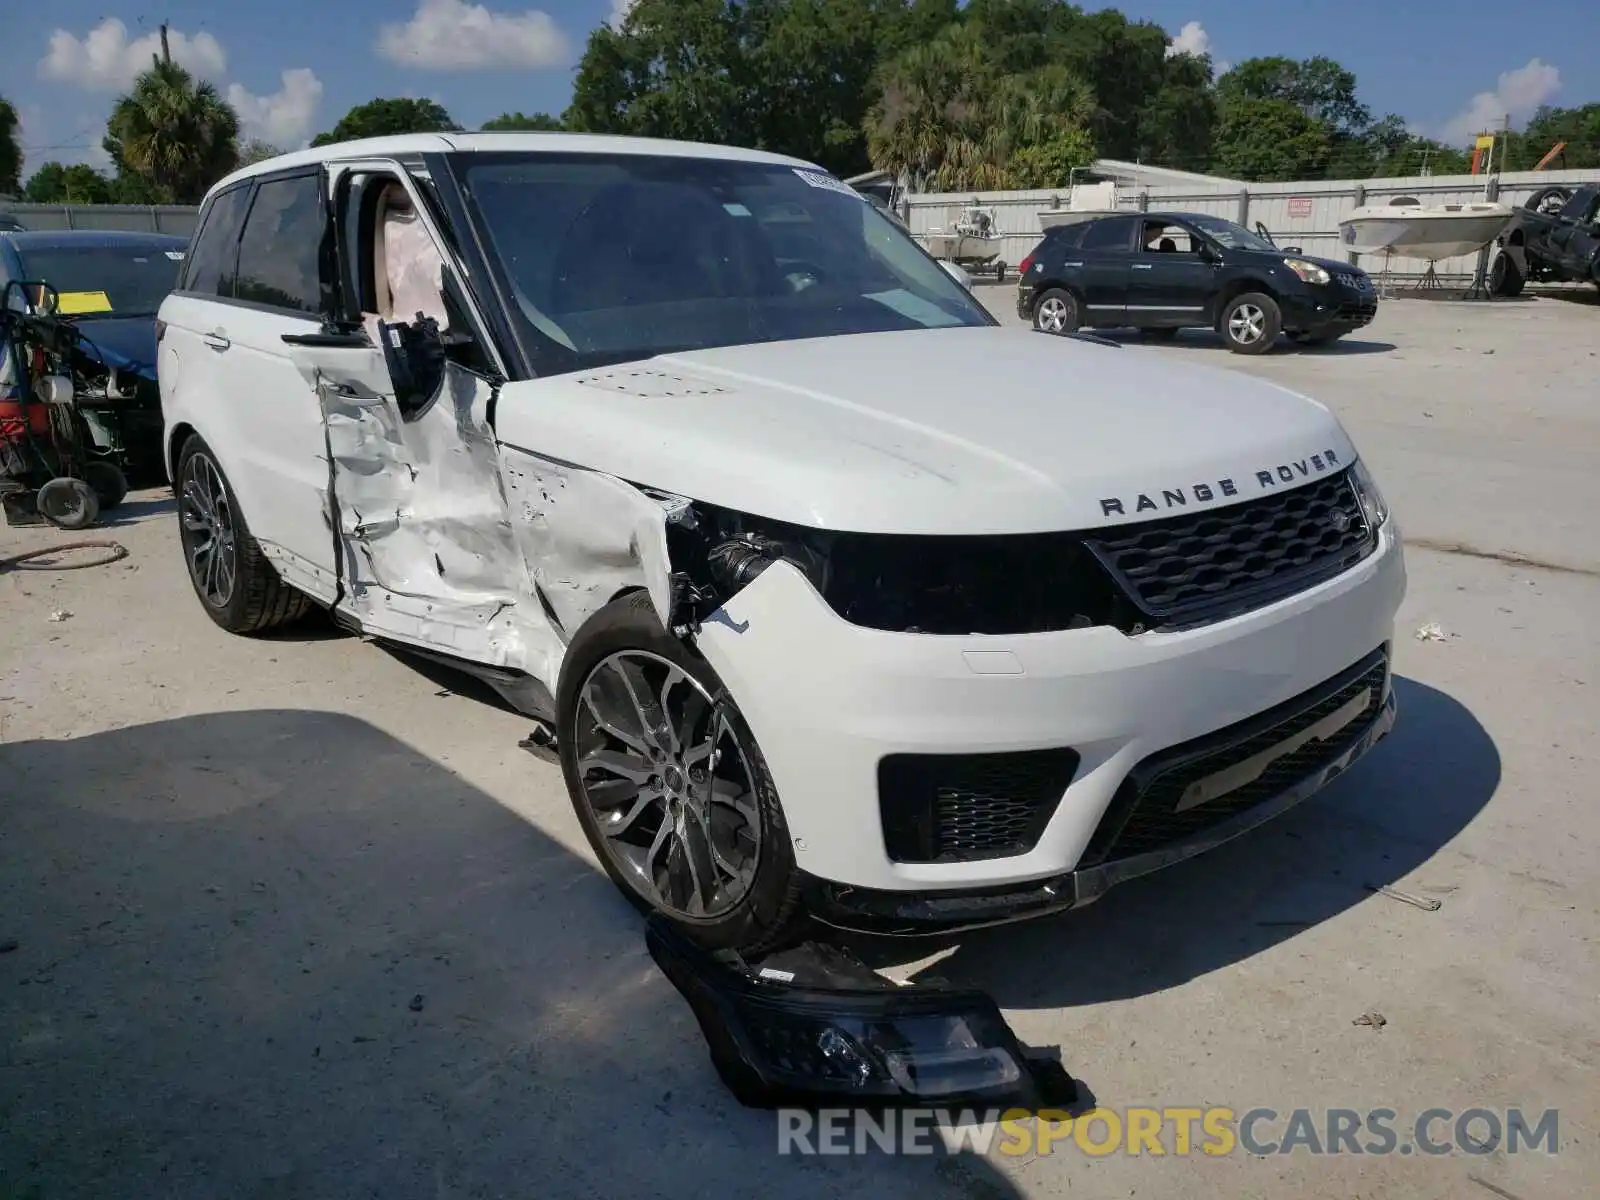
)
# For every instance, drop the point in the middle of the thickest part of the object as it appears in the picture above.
(1431, 234)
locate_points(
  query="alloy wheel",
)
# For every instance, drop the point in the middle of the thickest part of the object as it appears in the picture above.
(208, 530)
(1247, 323)
(1053, 315)
(669, 784)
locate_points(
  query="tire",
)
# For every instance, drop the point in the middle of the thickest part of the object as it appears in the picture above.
(1250, 323)
(236, 585)
(1504, 277)
(109, 483)
(1056, 312)
(757, 907)
(68, 503)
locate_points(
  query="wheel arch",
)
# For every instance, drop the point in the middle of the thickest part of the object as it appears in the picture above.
(1238, 287)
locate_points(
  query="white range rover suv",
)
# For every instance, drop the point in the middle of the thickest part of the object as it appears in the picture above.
(838, 600)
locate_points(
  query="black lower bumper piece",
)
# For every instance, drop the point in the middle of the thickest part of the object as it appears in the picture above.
(813, 1026)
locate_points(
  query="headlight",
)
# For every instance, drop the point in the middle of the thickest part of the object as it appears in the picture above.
(1373, 506)
(1308, 271)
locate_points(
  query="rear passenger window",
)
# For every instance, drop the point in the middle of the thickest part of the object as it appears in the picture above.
(1115, 234)
(210, 266)
(280, 250)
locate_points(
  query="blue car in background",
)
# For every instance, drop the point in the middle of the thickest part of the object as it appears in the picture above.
(111, 283)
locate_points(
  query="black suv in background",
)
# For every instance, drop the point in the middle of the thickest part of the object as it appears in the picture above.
(1162, 272)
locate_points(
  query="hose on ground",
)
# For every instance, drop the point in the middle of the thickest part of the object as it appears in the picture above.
(115, 552)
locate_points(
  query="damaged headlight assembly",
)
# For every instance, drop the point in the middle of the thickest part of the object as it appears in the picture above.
(813, 1025)
(1373, 506)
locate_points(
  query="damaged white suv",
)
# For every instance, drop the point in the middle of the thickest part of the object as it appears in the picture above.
(839, 600)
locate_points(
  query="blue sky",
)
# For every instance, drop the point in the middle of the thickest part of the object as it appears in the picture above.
(293, 67)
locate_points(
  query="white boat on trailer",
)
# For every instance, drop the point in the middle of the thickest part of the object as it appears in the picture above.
(1406, 228)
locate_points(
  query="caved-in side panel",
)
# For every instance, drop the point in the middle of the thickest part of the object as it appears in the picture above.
(586, 536)
(427, 549)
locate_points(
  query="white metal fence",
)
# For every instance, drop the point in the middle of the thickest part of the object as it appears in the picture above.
(1304, 214)
(137, 218)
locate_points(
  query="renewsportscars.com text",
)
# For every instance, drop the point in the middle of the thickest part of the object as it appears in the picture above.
(1172, 1130)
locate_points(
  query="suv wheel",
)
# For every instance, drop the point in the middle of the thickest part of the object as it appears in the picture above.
(237, 586)
(669, 784)
(1251, 322)
(1056, 311)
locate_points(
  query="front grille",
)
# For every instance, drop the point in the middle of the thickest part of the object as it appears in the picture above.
(1144, 816)
(1357, 312)
(1189, 570)
(965, 807)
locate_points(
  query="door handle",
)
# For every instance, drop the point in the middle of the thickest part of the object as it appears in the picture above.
(1142, 266)
(216, 339)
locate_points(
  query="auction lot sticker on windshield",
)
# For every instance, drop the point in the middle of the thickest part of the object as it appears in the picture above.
(72, 304)
(828, 183)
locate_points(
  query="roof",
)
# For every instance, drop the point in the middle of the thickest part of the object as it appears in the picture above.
(1151, 176)
(444, 143)
(88, 239)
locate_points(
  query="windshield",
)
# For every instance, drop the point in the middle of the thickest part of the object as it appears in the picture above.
(607, 259)
(1231, 236)
(106, 281)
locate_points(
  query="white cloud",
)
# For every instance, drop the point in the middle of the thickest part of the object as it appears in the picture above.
(619, 12)
(451, 35)
(106, 59)
(1519, 92)
(1191, 39)
(283, 118)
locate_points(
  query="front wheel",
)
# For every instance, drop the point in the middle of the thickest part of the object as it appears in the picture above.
(237, 586)
(1251, 322)
(1056, 311)
(669, 785)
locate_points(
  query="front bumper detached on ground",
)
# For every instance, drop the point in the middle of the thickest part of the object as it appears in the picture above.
(814, 1025)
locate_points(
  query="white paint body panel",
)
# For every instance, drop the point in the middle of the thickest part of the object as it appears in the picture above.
(940, 431)
(827, 700)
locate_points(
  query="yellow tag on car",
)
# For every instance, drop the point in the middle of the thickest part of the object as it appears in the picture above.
(76, 303)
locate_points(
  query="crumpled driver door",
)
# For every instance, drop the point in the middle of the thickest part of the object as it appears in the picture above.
(422, 536)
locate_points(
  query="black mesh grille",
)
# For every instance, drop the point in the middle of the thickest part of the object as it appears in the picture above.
(1210, 565)
(1144, 814)
(962, 807)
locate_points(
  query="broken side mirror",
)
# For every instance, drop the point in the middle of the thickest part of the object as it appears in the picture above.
(31, 296)
(417, 354)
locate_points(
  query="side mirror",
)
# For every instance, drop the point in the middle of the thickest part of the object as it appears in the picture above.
(956, 273)
(1207, 252)
(1293, 250)
(414, 354)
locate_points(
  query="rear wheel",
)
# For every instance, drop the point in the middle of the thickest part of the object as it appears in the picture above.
(109, 483)
(237, 586)
(1056, 311)
(669, 785)
(1250, 323)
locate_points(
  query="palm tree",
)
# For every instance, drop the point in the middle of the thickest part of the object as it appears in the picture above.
(175, 132)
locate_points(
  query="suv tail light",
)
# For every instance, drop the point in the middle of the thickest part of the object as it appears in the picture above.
(1025, 266)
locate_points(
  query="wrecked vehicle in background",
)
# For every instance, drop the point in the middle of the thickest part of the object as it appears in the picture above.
(109, 285)
(838, 600)
(1553, 238)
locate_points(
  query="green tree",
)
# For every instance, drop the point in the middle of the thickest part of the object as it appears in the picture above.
(1318, 86)
(256, 150)
(520, 121)
(1269, 140)
(175, 133)
(54, 183)
(386, 117)
(1578, 127)
(10, 149)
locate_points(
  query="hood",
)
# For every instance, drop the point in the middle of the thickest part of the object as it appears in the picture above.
(939, 431)
(126, 343)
